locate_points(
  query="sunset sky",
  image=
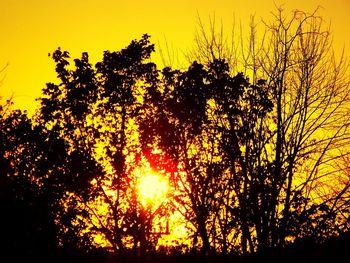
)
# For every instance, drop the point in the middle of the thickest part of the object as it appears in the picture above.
(30, 29)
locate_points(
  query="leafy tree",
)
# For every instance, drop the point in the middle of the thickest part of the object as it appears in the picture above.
(253, 156)
(34, 163)
(29, 208)
(203, 117)
(177, 108)
(93, 110)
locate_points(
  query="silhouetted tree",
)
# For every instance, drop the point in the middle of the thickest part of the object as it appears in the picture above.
(177, 113)
(92, 110)
(254, 157)
(208, 121)
(284, 144)
(29, 209)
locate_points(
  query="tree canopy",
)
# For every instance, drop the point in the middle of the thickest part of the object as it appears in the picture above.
(254, 159)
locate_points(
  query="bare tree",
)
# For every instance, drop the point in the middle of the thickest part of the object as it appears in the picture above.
(213, 43)
(310, 91)
(283, 170)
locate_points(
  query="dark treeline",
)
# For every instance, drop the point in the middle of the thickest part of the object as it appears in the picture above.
(254, 142)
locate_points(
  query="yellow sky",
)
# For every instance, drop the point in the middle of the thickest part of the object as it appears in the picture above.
(30, 29)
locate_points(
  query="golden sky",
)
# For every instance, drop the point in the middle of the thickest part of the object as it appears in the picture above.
(30, 29)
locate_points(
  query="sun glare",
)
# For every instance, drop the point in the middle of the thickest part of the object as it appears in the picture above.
(152, 188)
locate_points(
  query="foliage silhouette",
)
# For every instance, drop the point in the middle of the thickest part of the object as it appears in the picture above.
(91, 110)
(247, 158)
(30, 209)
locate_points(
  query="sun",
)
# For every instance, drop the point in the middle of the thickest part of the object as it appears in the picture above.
(152, 188)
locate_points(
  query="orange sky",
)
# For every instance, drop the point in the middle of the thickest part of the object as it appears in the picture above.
(30, 29)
